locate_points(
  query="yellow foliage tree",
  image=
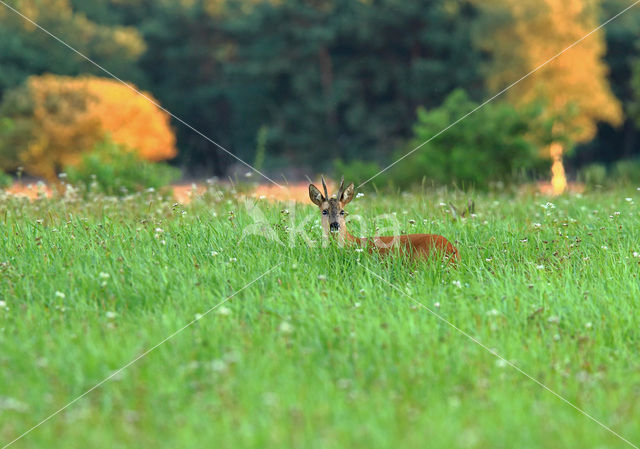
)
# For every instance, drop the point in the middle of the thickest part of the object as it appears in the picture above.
(534, 32)
(60, 118)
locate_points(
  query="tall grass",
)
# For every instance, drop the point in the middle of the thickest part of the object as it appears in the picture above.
(319, 353)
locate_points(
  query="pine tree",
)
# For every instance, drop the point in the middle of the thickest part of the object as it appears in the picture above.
(26, 50)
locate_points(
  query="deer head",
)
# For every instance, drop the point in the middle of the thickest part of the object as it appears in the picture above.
(332, 208)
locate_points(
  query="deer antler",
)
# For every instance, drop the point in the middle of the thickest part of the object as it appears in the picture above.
(341, 187)
(324, 186)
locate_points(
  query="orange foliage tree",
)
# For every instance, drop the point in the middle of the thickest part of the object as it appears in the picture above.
(55, 119)
(531, 33)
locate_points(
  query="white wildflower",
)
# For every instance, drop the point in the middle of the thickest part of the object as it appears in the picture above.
(60, 295)
(285, 327)
(359, 195)
(218, 366)
(225, 311)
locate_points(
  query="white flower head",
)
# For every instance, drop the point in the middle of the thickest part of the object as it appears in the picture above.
(224, 311)
(285, 327)
(218, 366)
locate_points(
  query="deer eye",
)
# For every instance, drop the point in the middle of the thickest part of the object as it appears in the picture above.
(325, 212)
(341, 212)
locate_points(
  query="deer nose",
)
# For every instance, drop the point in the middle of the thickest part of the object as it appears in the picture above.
(335, 226)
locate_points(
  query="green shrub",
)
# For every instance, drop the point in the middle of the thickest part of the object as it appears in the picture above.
(627, 171)
(494, 144)
(5, 180)
(593, 175)
(114, 170)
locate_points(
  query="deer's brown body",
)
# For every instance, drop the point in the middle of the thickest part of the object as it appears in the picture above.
(416, 246)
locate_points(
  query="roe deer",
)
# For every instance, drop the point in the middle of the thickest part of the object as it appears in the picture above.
(414, 245)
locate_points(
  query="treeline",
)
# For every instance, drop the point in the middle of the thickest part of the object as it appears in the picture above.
(307, 83)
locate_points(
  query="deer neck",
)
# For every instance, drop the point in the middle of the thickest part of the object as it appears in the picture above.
(348, 237)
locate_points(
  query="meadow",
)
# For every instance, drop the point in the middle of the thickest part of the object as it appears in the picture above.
(330, 347)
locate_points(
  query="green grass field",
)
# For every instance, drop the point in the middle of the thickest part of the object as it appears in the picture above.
(319, 352)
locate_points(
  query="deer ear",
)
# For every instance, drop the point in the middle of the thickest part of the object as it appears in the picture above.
(347, 194)
(315, 196)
